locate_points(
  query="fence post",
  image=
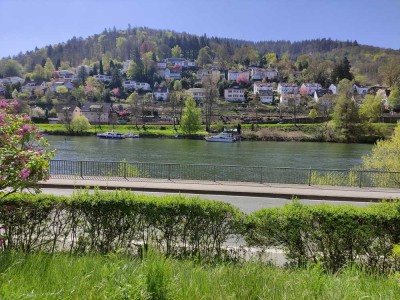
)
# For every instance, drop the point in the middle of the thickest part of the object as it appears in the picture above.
(261, 175)
(169, 171)
(125, 162)
(81, 168)
(309, 177)
(360, 173)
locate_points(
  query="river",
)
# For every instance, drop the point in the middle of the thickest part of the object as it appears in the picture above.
(246, 153)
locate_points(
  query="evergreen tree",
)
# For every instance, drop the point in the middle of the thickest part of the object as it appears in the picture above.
(341, 70)
(101, 70)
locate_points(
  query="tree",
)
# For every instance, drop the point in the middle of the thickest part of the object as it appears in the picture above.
(270, 59)
(313, 114)
(345, 113)
(390, 72)
(341, 70)
(10, 67)
(371, 108)
(80, 124)
(24, 159)
(191, 118)
(82, 74)
(394, 99)
(49, 68)
(385, 154)
(133, 101)
(211, 95)
(176, 51)
(204, 56)
(101, 69)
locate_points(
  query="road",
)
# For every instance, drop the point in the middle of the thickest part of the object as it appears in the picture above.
(246, 204)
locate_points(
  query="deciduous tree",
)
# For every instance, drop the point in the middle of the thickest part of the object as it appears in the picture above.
(80, 124)
(191, 118)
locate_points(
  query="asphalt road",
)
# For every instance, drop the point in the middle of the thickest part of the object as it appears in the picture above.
(246, 204)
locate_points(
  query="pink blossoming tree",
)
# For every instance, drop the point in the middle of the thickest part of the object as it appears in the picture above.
(23, 158)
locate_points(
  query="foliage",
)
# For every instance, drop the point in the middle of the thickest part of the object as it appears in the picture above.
(10, 67)
(23, 159)
(117, 221)
(394, 99)
(80, 124)
(331, 236)
(191, 118)
(371, 108)
(385, 154)
(65, 276)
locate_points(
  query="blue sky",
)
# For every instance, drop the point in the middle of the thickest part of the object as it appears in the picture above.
(28, 23)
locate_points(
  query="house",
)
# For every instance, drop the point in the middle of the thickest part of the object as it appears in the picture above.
(321, 92)
(271, 74)
(214, 73)
(66, 114)
(296, 75)
(143, 86)
(160, 93)
(179, 62)
(234, 95)
(266, 96)
(233, 75)
(262, 86)
(12, 80)
(289, 99)
(56, 84)
(161, 65)
(198, 94)
(129, 84)
(31, 85)
(97, 113)
(102, 78)
(257, 73)
(172, 74)
(310, 88)
(360, 90)
(288, 88)
(333, 88)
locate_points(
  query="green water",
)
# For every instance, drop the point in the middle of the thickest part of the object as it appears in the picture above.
(246, 153)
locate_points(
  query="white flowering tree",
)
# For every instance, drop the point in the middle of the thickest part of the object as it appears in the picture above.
(23, 158)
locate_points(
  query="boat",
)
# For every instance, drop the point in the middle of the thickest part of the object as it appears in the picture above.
(111, 135)
(131, 135)
(224, 137)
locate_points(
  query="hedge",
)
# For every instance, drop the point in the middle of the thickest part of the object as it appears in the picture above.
(116, 221)
(332, 236)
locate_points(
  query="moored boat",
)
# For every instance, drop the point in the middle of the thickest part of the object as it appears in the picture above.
(111, 135)
(224, 137)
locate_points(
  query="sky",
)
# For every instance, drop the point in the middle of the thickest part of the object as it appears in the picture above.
(26, 24)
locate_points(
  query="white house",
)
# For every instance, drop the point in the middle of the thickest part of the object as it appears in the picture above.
(198, 94)
(143, 86)
(234, 95)
(310, 87)
(102, 78)
(56, 84)
(173, 75)
(333, 88)
(129, 84)
(262, 86)
(271, 74)
(287, 99)
(288, 88)
(234, 75)
(160, 93)
(67, 113)
(321, 92)
(266, 96)
(360, 90)
(31, 85)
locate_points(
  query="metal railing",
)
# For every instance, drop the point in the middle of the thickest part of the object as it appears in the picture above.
(203, 172)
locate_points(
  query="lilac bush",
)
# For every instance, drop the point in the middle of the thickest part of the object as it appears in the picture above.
(23, 158)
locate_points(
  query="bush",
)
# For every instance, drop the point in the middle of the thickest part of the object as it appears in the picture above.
(330, 235)
(116, 221)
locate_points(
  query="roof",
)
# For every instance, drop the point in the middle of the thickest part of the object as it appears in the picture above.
(94, 106)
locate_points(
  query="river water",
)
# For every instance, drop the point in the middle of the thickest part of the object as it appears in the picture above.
(245, 153)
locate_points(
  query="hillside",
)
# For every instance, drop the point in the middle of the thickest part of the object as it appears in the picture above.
(133, 43)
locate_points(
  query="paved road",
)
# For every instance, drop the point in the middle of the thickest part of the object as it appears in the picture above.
(246, 204)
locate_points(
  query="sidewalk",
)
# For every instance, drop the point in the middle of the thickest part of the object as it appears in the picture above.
(285, 191)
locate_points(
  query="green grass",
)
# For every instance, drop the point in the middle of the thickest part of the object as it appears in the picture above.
(61, 276)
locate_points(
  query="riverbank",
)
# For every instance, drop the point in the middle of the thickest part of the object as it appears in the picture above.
(321, 132)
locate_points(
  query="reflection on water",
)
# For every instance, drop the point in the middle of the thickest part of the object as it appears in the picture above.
(273, 154)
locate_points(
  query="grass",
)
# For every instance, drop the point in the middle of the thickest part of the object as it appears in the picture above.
(61, 276)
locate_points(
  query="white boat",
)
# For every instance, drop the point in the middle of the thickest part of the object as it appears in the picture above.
(224, 137)
(131, 135)
(111, 135)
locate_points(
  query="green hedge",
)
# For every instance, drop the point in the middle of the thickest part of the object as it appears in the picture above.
(116, 221)
(332, 236)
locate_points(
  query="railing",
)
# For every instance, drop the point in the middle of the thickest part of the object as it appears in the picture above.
(203, 172)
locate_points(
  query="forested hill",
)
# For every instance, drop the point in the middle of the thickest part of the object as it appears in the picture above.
(133, 43)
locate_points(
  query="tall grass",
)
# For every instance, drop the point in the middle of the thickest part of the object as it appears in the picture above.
(61, 276)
